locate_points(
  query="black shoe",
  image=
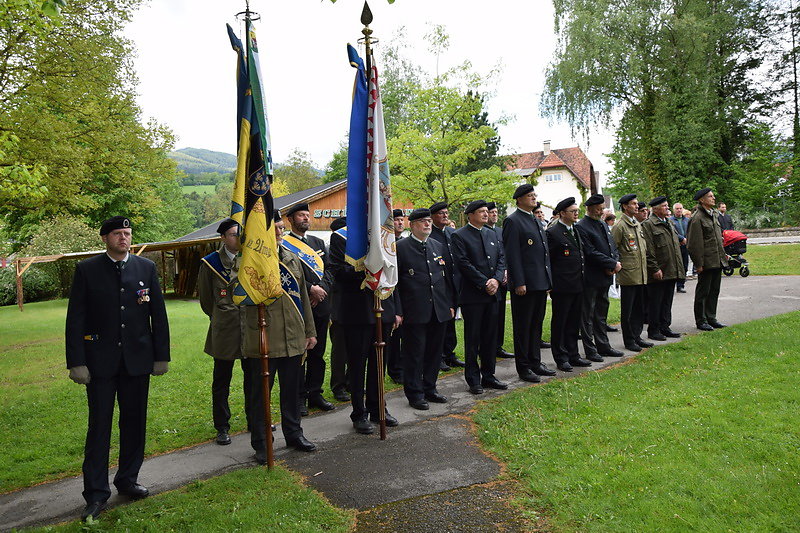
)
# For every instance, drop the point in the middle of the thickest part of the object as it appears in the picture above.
(680, 289)
(611, 352)
(502, 354)
(580, 361)
(92, 509)
(544, 344)
(542, 370)
(657, 337)
(320, 403)
(455, 361)
(633, 347)
(134, 490)
(341, 396)
(529, 376)
(420, 404)
(644, 344)
(595, 357)
(223, 439)
(443, 367)
(564, 367)
(435, 397)
(612, 329)
(717, 325)
(363, 426)
(301, 444)
(261, 457)
(704, 327)
(493, 383)
(476, 389)
(391, 422)
(671, 334)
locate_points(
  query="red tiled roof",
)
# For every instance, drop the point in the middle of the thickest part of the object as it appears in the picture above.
(572, 159)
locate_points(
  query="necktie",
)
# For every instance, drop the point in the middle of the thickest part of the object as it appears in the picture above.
(120, 265)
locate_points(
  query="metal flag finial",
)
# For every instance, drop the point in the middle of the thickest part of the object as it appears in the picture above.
(366, 15)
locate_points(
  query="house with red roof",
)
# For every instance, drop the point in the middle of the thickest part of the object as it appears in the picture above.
(565, 172)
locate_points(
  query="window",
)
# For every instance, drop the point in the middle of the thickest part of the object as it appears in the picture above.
(552, 177)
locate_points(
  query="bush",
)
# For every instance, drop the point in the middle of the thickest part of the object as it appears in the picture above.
(37, 284)
(761, 218)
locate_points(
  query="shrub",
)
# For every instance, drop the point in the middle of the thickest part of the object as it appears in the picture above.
(37, 284)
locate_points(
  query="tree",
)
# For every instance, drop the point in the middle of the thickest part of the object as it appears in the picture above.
(336, 169)
(298, 173)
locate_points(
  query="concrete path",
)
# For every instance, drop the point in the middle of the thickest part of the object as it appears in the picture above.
(430, 452)
(774, 240)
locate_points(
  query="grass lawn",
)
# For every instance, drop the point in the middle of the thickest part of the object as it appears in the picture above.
(701, 435)
(252, 499)
(35, 392)
(773, 259)
(199, 189)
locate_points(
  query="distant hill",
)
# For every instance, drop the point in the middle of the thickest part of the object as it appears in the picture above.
(197, 160)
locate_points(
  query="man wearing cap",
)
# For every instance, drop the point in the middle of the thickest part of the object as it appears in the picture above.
(443, 233)
(503, 290)
(338, 381)
(529, 279)
(642, 212)
(628, 237)
(313, 256)
(704, 242)
(218, 271)
(116, 336)
(566, 257)
(425, 290)
(479, 258)
(392, 356)
(602, 262)
(664, 268)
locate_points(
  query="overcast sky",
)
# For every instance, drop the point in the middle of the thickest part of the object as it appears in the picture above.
(186, 67)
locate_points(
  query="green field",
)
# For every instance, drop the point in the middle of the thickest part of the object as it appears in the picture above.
(702, 435)
(773, 259)
(199, 189)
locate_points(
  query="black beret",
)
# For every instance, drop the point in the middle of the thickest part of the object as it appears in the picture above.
(277, 216)
(225, 225)
(416, 214)
(565, 203)
(522, 190)
(491, 205)
(338, 223)
(117, 222)
(438, 206)
(627, 198)
(295, 208)
(642, 205)
(658, 200)
(702, 192)
(595, 199)
(474, 206)
(397, 213)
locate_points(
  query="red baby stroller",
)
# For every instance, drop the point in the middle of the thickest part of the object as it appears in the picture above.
(735, 244)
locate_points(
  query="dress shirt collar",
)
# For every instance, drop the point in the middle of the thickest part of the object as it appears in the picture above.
(476, 227)
(127, 256)
(418, 240)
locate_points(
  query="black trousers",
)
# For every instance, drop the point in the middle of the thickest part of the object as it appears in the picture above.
(564, 325)
(681, 283)
(501, 317)
(220, 391)
(314, 367)
(594, 312)
(527, 317)
(706, 295)
(289, 371)
(659, 299)
(101, 393)
(338, 359)
(361, 359)
(632, 312)
(393, 359)
(450, 340)
(422, 356)
(480, 340)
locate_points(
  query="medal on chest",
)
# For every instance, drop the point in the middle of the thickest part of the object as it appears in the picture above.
(223, 293)
(143, 296)
(632, 242)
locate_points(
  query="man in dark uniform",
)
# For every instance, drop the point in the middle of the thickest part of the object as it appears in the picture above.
(427, 297)
(312, 253)
(338, 381)
(566, 258)
(529, 279)
(116, 336)
(393, 358)
(664, 268)
(502, 292)
(704, 241)
(538, 212)
(442, 232)
(354, 312)
(223, 340)
(725, 220)
(479, 258)
(602, 262)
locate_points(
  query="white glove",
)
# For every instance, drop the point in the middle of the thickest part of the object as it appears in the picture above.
(80, 375)
(160, 368)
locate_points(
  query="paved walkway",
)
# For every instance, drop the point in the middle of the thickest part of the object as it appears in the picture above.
(431, 452)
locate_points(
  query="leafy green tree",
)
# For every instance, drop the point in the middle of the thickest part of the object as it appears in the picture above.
(298, 173)
(337, 167)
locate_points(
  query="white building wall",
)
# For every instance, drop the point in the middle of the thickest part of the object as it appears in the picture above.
(551, 191)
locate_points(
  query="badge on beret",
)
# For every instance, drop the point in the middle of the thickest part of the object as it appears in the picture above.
(141, 283)
(144, 295)
(566, 251)
(410, 271)
(223, 293)
(530, 242)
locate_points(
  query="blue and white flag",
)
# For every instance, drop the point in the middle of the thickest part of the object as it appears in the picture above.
(356, 249)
